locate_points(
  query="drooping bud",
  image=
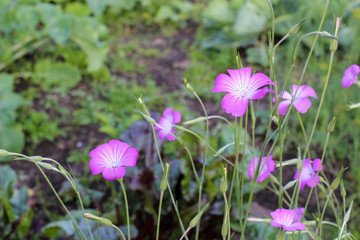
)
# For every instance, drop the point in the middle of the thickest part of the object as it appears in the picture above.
(3, 153)
(163, 183)
(101, 220)
(37, 158)
(325, 34)
(196, 219)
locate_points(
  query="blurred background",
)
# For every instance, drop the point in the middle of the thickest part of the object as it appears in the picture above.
(70, 74)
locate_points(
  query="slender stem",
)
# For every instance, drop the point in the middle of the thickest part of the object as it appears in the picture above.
(159, 215)
(204, 141)
(204, 163)
(168, 185)
(190, 156)
(184, 235)
(122, 234)
(323, 212)
(280, 235)
(53, 189)
(126, 207)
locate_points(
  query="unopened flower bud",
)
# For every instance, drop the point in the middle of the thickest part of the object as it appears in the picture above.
(101, 220)
(295, 28)
(336, 182)
(331, 125)
(3, 153)
(196, 120)
(224, 229)
(342, 189)
(163, 183)
(223, 184)
(188, 86)
(325, 34)
(37, 158)
(196, 219)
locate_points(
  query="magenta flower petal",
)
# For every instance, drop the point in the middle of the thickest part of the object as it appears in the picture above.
(350, 76)
(241, 87)
(295, 227)
(308, 173)
(114, 173)
(283, 105)
(304, 91)
(300, 95)
(302, 104)
(317, 165)
(265, 168)
(285, 218)
(299, 213)
(176, 117)
(166, 124)
(129, 158)
(224, 83)
(110, 159)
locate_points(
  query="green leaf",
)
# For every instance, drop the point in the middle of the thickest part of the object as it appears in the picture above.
(251, 19)
(11, 137)
(257, 55)
(24, 227)
(166, 13)
(78, 9)
(219, 11)
(62, 75)
(7, 206)
(59, 29)
(95, 55)
(7, 179)
(19, 201)
(52, 229)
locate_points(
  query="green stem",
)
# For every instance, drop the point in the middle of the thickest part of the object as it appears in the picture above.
(159, 215)
(204, 163)
(323, 212)
(122, 234)
(280, 235)
(126, 207)
(53, 189)
(168, 185)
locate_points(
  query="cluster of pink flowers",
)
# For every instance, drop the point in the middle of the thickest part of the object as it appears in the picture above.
(111, 158)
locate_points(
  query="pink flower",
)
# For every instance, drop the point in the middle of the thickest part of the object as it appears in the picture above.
(299, 213)
(241, 87)
(350, 76)
(166, 124)
(301, 101)
(265, 168)
(286, 219)
(111, 158)
(308, 173)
